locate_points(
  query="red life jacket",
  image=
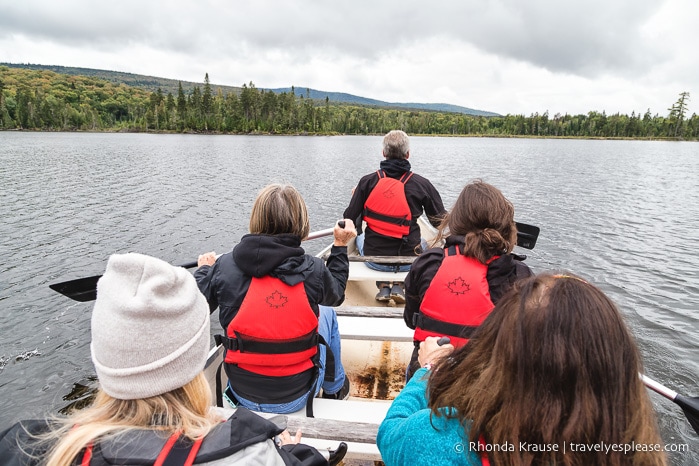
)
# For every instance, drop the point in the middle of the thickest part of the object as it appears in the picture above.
(485, 461)
(457, 300)
(275, 331)
(386, 210)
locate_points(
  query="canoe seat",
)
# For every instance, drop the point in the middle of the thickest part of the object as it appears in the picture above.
(369, 311)
(373, 328)
(354, 421)
(358, 271)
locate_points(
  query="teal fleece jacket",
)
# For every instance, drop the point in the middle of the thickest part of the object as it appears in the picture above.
(410, 435)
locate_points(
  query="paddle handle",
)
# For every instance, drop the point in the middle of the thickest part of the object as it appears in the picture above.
(658, 387)
(444, 341)
(326, 232)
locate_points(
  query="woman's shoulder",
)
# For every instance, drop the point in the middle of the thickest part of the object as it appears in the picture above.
(19, 442)
(427, 260)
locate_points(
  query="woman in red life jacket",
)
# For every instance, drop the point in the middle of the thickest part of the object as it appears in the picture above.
(150, 342)
(550, 377)
(273, 302)
(451, 289)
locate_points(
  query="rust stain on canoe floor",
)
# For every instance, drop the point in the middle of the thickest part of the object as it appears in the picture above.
(381, 383)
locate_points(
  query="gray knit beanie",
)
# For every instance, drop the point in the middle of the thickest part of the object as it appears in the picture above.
(150, 327)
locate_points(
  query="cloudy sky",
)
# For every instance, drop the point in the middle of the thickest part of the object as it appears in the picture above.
(505, 56)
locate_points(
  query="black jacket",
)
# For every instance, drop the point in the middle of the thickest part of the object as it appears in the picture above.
(226, 283)
(421, 195)
(242, 436)
(502, 273)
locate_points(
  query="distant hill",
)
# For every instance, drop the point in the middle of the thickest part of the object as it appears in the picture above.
(149, 83)
(357, 100)
(152, 84)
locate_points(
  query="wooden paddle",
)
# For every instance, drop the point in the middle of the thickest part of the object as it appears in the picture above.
(85, 289)
(690, 405)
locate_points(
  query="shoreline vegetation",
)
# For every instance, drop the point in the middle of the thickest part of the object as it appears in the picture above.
(41, 100)
(303, 134)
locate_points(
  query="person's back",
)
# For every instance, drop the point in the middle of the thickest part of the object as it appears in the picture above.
(548, 378)
(452, 288)
(392, 210)
(390, 201)
(282, 340)
(150, 342)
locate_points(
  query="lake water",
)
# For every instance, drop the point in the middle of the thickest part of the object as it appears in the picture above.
(623, 214)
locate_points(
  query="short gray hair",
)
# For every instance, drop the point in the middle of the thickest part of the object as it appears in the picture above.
(396, 145)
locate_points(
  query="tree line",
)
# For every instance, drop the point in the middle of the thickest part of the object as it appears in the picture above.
(44, 100)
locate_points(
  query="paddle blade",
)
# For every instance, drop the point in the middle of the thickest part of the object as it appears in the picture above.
(690, 406)
(85, 289)
(80, 289)
(526, 235)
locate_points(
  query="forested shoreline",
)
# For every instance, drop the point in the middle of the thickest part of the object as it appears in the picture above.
(47, 101)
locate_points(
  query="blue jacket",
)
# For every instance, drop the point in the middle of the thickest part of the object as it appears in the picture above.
(412, 435)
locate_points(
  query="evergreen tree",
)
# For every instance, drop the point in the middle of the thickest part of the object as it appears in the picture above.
(181, 107)
(677, 113)
(5, 119)
(194, 120)
(170, 110)
(206, 102)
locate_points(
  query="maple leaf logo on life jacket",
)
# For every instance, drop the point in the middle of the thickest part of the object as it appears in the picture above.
(458, 286)
(388, 194)
(276, 300)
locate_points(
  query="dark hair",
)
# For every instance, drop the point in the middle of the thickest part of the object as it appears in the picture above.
(553, 364)
(486, 220)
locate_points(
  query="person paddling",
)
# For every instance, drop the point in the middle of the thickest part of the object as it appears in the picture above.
(451, 289)
(282, 339)
(150, 342)
(390, 201)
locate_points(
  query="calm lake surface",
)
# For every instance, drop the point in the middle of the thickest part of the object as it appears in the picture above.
(622, 214)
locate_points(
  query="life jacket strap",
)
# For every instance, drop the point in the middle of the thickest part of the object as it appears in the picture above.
(245, 344)
(329, 360)
(406, 176)
(219, 385)
(329, 373)
(177, 451)
(425, 322)
(403, 179)
(400, 221)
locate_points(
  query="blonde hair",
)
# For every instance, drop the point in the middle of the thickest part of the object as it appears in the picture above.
(279, 209)
(185, 410)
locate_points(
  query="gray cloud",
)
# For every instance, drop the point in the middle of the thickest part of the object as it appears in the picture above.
(582, 38)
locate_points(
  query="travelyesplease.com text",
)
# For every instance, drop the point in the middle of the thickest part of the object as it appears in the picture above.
(573, 447)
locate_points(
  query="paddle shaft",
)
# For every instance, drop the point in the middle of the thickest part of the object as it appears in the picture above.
(85, 289)
(658, 388)
(689, 405)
